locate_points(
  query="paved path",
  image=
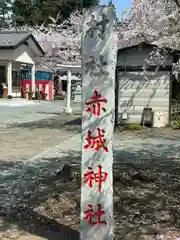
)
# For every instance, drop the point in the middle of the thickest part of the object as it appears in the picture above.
(28, 128)
(19, 110)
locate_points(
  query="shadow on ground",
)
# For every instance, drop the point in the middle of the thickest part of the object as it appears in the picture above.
(30, 221)
(30, 186)
(148, 208)
(55, 113)
(46, 202)
(67, 122)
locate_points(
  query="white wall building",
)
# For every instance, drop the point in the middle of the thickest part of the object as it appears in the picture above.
(17, 49)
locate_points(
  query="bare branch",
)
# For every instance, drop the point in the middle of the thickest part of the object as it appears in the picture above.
(177, 3)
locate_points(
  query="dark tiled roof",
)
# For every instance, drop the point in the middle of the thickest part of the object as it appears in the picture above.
(12, 39)
(9, 39)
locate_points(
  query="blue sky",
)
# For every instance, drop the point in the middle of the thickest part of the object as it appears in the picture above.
(120, 4)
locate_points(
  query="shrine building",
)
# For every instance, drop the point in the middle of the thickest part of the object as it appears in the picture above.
(136, 92)
(18, 51)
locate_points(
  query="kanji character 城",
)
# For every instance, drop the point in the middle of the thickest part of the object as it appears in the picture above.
(95, 101)
(98, 177)
(96, 142)
(90, 215)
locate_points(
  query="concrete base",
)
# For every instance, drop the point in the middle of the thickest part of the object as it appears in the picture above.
(67, 110)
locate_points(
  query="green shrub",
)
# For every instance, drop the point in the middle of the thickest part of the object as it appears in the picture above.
(176, 124)
(134, 127)
(58, 97)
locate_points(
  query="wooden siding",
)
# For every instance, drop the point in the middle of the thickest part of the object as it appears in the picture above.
(135, 93)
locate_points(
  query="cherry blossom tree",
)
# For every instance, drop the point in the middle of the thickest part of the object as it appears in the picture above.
(147, 20)
(154, 21)
(61, 42)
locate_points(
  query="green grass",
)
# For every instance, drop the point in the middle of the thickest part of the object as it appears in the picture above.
(134, 127)
(176, 124)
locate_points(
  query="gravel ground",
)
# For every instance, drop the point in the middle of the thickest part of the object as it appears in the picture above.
(29, 127)
(23, 145)
(48, 207)
(22, 141)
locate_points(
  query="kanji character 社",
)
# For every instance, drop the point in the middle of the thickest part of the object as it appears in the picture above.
(90, 215)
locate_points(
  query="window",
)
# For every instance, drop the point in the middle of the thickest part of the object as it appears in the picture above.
(36, 75)
(25, 75)
(47, 75)
(29, 75)
(40, 75)
(16, 80)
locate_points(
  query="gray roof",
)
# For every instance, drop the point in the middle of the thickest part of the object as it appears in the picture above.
(146, 44)
(12, 40)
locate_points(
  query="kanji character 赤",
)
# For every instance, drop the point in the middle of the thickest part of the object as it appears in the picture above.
(90, 215)
(96, 142)
(98, 177)
(95, 101)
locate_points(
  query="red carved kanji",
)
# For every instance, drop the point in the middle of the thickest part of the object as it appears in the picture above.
(94, 106)
(98, 177)
(96, 142)
(90, 215)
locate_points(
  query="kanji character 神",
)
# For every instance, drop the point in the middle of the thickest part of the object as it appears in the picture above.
(95, 101)
(98, 177)
(96, 142)
(90, 215)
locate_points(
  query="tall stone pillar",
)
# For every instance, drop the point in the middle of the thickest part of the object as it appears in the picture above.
(98, 108)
